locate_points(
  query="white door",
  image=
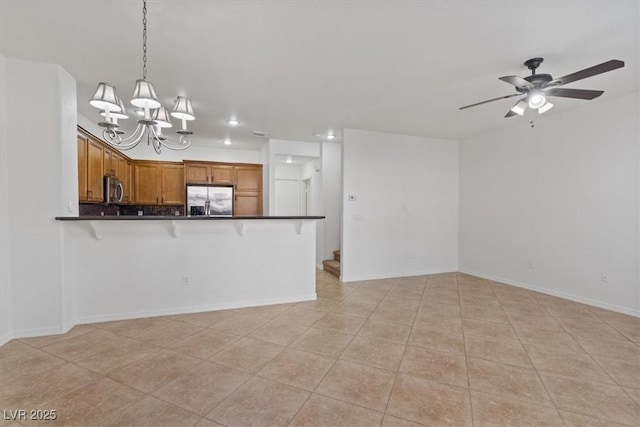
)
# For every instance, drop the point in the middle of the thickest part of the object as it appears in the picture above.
(287, 197)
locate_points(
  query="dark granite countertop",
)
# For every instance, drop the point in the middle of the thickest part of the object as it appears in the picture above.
(178, 218)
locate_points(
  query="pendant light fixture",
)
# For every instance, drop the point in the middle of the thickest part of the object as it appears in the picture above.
(155, 117)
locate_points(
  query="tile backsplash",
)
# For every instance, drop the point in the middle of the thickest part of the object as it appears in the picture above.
(87, 209)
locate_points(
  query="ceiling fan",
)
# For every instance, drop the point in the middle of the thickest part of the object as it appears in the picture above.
(537, 87)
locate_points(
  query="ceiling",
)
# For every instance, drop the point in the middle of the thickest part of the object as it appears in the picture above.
(298, 68)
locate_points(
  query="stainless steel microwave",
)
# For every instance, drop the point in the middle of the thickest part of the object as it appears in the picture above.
(113, 190)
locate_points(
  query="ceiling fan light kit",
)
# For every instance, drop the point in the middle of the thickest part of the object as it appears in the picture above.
(546, 107)
(154, 118)
(536, 88)
(520, 107)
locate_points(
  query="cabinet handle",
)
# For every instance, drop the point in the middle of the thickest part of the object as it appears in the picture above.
(162, 200)
(157, 200)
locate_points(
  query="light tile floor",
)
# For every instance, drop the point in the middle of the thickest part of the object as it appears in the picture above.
(448, 349)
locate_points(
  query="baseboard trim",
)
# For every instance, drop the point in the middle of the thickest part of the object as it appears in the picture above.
(547, 291)
(5, 339)
(151, 313)
(28, 333)
(396, 274)
(194, 309)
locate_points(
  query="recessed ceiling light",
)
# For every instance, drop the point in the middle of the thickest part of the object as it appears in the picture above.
(227, 141)
(289, 159)
(233, 122)
(331, 136)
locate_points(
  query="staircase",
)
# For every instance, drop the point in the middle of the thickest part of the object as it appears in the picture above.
(332, 265)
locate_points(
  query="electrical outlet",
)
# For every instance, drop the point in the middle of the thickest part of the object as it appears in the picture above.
(604, 278)
(186, 280)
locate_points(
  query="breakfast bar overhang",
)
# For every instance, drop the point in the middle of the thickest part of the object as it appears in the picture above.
(129, 267)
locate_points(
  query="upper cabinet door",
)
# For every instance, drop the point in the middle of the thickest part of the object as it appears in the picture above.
(95, 168)
(248, 178)
(222, 174)
(197, 173)
(172, 185)
(82, 168)
(147, 183)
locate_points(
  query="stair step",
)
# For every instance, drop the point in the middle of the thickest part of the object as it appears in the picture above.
(336, 255)
(331, 266)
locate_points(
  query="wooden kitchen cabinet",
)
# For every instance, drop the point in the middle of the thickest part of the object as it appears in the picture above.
(126, 176)
(95, 166)
(245, 178)
(147, 183)
(82, 167)
(107, 156)
(197, 173)
(247, 205)
(248, 178)
(96, 159)
(207, 173)
(221, 174)
(172, 183)
(158, 183)
(248, 190)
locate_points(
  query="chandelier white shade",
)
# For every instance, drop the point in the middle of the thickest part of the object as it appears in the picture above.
(183, 109)
(154, 118)
(144, 95)
(105, 98)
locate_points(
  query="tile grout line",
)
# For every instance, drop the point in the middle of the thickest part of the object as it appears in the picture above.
(325, 374)
(466, 358)
(535, 369)
(395, 380)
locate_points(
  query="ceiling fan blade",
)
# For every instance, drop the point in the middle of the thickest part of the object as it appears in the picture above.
(490, 100)
(516, 81)
(614, 64)
(574, 93)
(509, 114)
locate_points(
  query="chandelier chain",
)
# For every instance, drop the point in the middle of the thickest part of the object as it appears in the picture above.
(144, 40)
(155, 115)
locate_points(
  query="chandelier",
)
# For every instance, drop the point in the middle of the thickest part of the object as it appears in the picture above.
(154, 116)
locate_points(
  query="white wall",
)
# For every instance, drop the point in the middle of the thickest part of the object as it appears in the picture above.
(565, 197)
(195, 152)
(284, 147)
(39, 183)
(331, 169)
(405, 219)
(5, 265)
(152, 264)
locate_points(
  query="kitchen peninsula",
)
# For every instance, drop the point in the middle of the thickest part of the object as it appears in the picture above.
(123, 267)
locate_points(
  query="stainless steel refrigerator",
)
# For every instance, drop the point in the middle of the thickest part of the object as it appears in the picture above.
(209, 200)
